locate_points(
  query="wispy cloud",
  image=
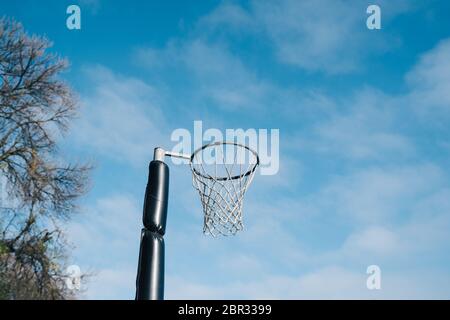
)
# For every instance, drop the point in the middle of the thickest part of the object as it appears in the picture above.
(106, 241)
(121, 117)
(331, 282)
(375, 196)
(311, 35)
(361, 127)
(429, 81)
(215, 75)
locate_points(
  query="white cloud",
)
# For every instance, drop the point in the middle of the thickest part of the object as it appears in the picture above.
(109, 229)
(106, 241)
(227, 15)
(322, 274)
(216, 75)
(113, 222)
(315, 35)
(120, 117)
(327, 283)
(423, 230)
(375, 195)
(363, 127)
(373, 240)
(331, 282)
(428, 229)
(396, 210)
(112, 284)
(360, 135)
(429, 81)
(242, 264)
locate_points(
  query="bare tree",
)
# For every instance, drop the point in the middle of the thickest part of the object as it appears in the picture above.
(36, 107)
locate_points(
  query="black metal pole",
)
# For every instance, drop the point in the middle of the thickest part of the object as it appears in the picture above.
(150, 273)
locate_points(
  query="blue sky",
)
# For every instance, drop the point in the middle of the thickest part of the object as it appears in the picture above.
(364, 141)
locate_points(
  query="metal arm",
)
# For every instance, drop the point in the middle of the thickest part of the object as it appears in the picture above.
(160, 153)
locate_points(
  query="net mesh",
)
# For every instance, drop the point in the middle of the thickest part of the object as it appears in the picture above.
(222, 182)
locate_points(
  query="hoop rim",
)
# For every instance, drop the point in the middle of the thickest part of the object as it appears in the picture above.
(217, 143)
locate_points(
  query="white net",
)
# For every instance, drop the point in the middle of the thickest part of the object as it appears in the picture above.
(222, 172)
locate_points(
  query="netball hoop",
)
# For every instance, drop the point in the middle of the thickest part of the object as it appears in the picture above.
(221, 173)
(222, 182)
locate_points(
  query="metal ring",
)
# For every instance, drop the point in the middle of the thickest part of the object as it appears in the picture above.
(224, 178)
